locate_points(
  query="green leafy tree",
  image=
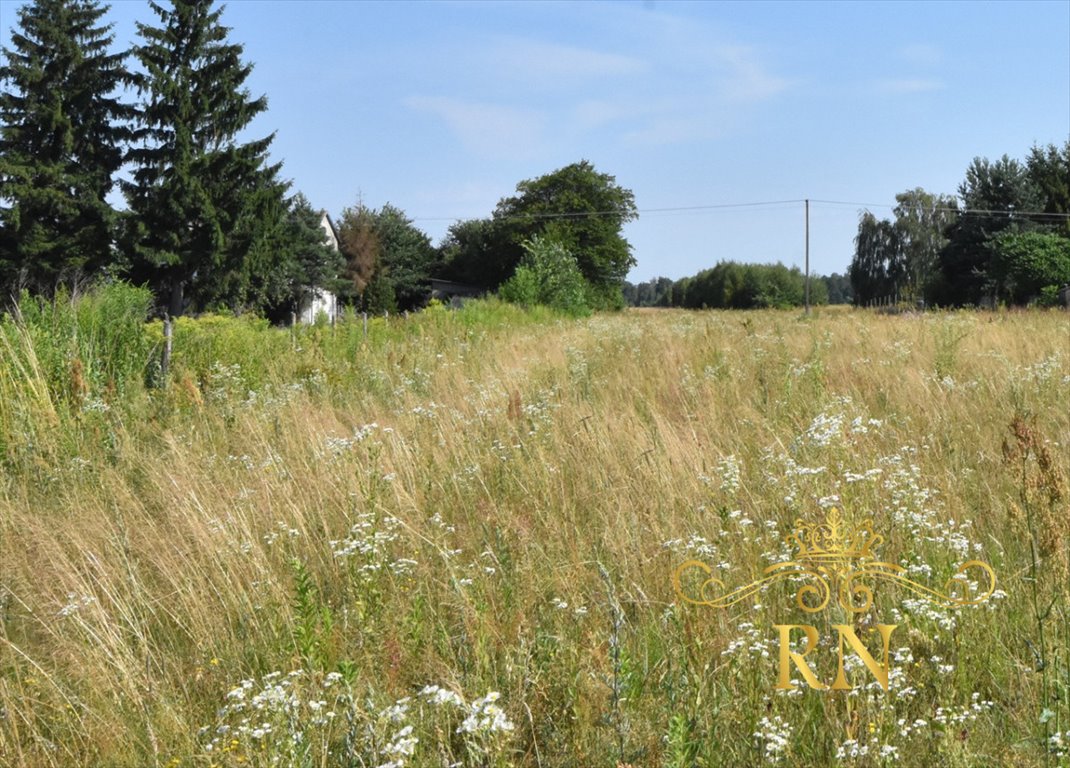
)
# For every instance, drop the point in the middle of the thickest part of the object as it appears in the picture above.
(200, 201)
(470, 253)
(579, 208)
(547, 274)
(61, 143)
(922, 220)
(1049, 171)
(877, 268)
(731, 285)
(1030, 265)
(838, 289)
(991, 194)
(317, 263)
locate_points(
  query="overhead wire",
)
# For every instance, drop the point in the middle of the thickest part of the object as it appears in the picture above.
(768, 204)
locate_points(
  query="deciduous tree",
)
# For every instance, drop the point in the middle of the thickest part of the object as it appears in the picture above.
(583, 210)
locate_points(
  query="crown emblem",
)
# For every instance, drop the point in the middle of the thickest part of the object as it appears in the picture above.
(834, 539)
(835, 560)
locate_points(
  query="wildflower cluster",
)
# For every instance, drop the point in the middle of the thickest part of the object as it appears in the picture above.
(369, 542)
(306, 717)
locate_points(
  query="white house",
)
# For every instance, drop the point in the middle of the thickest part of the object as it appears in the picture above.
(320, 299)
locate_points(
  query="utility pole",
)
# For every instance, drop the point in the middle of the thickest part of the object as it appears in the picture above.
(807, 256)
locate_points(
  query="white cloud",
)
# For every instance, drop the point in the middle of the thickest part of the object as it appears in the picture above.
(485, 129)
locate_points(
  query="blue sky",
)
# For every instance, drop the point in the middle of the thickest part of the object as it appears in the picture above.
(440, 108)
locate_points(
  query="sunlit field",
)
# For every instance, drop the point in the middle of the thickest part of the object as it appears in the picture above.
(449, 540)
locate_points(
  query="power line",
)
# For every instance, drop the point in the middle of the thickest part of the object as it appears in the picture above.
(594, 214)
(962, 211)
(756, 204)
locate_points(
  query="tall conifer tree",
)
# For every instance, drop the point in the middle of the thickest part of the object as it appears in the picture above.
(194, 185)
(61, 142)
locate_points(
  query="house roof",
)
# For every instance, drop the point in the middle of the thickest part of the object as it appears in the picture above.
(330, 223)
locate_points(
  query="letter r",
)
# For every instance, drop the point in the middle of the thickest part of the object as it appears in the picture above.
(787, 655)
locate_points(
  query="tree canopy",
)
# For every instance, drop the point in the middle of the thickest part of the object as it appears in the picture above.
(991, 243)
(583, 210)
(61, 143)
(200, 201)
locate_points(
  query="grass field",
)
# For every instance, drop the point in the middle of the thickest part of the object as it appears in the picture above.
(451, 541)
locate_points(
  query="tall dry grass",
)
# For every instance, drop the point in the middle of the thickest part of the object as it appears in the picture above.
(492, 502)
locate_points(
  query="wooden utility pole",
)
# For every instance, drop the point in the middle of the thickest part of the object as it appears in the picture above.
(807, 255)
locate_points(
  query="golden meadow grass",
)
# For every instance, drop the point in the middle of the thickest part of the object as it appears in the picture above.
(451, 542)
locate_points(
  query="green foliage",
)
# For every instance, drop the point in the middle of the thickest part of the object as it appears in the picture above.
(581, 209)
(990, 194)
(1026, 264)
(306, 261)
(201, 203)
(1049, 170)
(470, 253)
(681, 745)
(60, 145)
(838, 289)
(406, 256)
(68, 360)
(388, 259)
(921, 223)
(877, 269)
(656, 292)
(103, 330)
(313, 621)
(576, 206)
(731, 285)
(548, 275)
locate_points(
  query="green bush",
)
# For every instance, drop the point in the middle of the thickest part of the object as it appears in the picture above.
(1031, 265)
(548, 274)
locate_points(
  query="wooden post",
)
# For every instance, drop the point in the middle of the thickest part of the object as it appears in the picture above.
(807, 256)
(165, 363)
(293, 330)
(365, 324)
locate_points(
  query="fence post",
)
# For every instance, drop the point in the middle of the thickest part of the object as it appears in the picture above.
(165, 363)
(365, 314)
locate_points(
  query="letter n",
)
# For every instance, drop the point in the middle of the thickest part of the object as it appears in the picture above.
(880, 671)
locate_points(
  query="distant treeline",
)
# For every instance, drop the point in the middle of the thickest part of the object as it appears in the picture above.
(1004, 239)
(731, 285)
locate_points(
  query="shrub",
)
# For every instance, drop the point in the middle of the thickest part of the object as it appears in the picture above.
(548, 274)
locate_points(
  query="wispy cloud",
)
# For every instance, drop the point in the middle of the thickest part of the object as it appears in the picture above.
(909, 85)
(484, 129)
(553, 63)
(744, 77)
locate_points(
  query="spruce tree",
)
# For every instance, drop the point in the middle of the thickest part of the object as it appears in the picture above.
(198, 198)
(62, 130)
